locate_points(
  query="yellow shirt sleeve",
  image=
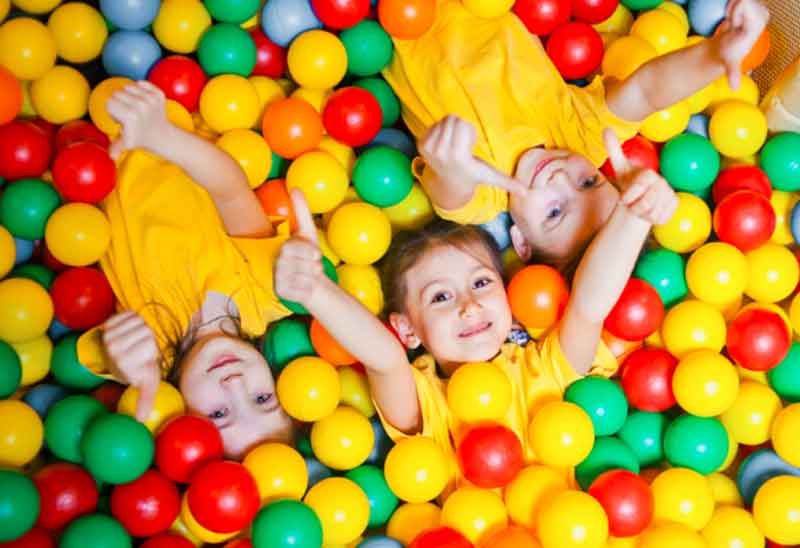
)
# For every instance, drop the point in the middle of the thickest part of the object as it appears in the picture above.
(486, 204)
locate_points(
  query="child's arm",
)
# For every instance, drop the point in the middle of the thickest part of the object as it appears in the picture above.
(140, 109)
(666, 80)
(608, 262)
(299, 277)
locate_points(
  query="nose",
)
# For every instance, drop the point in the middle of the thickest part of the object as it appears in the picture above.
(469, 307)
(239, 395)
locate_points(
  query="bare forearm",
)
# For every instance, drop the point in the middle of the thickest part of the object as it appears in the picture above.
(445, 193)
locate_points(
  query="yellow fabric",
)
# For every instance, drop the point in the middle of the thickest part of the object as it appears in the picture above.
(496, 75)
(539, 374)
(168, 249)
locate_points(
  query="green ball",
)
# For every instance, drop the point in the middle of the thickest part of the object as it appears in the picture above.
(699, 443)
(608, 453)
(117, 448)
(287, 523)
(10, 370)
(382, 501)
(330, 272)
(643, 433)
(780, 159)
(285, 341)
(604, 402)
(232, 11)
(104, 532)
(19, 505)
(689, 162)
(66, 368)
(784, 378)
(382, 176)
(390, 104)
(279, 167)
(66, 422)
(25, 206)
(369, 48)
(227, 49)
(36, 272)
(665, 271)
(639, 5)
(303, 447)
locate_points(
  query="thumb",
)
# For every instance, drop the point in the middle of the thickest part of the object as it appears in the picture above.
(117, 148)
(734, 75)
(616, 155)
(488, 175)
(305, 222)
(147, 399)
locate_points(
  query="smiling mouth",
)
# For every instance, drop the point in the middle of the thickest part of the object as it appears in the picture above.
(540, 167)
(477, 330)
(223, 361)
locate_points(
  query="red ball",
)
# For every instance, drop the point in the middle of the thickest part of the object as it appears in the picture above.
(82, 298)
(146, 506)
(758, 339)
(270, 57)
(25, 150)
(34, 538)
(593, 11)
(744, 177)
(49, 128)
(50, 261)
(223, 497)
(108, 394)
(66, 492)
(647, 379)
(180, 78)
(576, 49)
(490, 455)
(241, 543)
(167, 540)
(744, 219)
(441, 537)
(84, 172)
(638, 312)
(627, 500)
(340, 14)
(79, 131)
(185, 445)
(352, 116)
(640, 153)
(541, 17)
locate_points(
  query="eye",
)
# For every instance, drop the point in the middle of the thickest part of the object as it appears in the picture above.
(554, 212)
(590, 182)
(439, 297)
(482, 282)
(218, 414)
(261, 399)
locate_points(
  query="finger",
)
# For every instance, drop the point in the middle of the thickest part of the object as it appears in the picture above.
(634, 192)
(151, 88)
(121, 321)
(492, 177)
(616, 155)
(147, 399)
(448, 130)
(299, 249)
(117, 149)
(305, 222)
(120, 108)
(734, 75)
(134, 90)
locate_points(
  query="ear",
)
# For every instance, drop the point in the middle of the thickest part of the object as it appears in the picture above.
(520, 243)
(404, 330)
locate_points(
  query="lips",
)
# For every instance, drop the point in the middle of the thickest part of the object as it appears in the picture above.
(223, 361)
(475, 330)
(540, 167)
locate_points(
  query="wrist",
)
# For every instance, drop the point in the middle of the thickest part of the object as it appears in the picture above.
(320, 295)
(160, 137)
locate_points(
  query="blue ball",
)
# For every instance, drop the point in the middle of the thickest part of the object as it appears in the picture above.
(698, 124)
(380, 542)
(316, 471)
(130, 53)
(706, 15)
(24, 250)
(57, 330)
(794, 222)
(499, 228)
(381, 446)
(283, 20)
(130, 14)
(758, 469)
(42, 396)
(395, 139)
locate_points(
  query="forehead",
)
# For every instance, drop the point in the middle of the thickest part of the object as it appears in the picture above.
(446, 261)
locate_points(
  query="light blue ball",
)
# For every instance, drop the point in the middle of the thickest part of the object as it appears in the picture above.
(130, 53)
(794, 222)
(130, 14)
(698, 124)
(316, 471)
(283, 20)
(57, 330)
(395, 139)
(380, 542)
(24, 250)
(706, 15)
(499, 228)
(42, 396)
(381, 446)
(758, 469)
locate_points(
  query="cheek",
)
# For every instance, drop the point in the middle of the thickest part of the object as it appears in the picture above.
(200, 395)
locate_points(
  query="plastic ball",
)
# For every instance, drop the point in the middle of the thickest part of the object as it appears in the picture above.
(359, 233)
(594, 11)
(774, 273)
(34, 357)
(416, 469)
(750, 418)
(412, 520)
(603, 400)
(627, 501)
(666, 124)
(625, 55)
(223, 497)
(781, 162)
(25, 310)
(24, 150)
(527, 494)
(538, 295)
(321, 178)
(541, 17)
(167, 540)
(147, 505)
(572, 519)
(308, 388)
(79, 32)
(180, 24)
(283, 20)
(671, 535)
(66, 423)
(82, 298)
(97, 104)
(783, 205)
(227, 49)
(342, 507)
(116, 448)
(741, 177)
(84, 172)
(738, 129)
(168, 404)
(664, 270)
(490, 456)
(353, 116)
(343, 439)
(66, 368)
(236, 11)
(688, 228)
(21, 433)
(362, 282)
(25, 207)
(660, 29)
(270, 57)
(27, 49)
(130, 14)
(382, 501)
(340, 14)
(683, 496)
(440, 537)
(745, 219)
(637, 313)
(382, 176)
(317, 59)
(185, 445)
(11, 92)
(187, 525)
(250, 151)
(104, 530)
(643, 433)
(561, 434)
(10, 370)
(640, 153)
(706, 15)
(576, 49)
(705, 383)
(20, 505)
(732, 527)
(647, 379)
(77, 234)
(130, 53)
(279, 471)
(478, 392)
(689, 163)
(717, 273)
(475, 513)
(693, 325)
(608, 453)
(785, 377)
(287, 523)
(697, 443)
(758, 339)
(406, 19)
(776, 509)
(369, 48)
(784, 439)
(292, 127)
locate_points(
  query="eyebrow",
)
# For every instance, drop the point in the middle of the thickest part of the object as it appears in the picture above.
(441, 280)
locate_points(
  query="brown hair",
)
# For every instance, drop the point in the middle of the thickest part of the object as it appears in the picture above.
(408, 247)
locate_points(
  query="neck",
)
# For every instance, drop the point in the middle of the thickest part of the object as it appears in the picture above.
(217, 315)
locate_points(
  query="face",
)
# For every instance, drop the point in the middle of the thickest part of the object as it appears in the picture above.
(228, 381)
(566, 203)
(456, 306)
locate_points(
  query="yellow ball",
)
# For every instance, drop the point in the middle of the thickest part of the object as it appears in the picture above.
(794, 314)
(626, 55)
(60, 95)
(179, 116)
(26, 48)
(8, 252)
(412, 212)
(317, 60)
(308, 389)
(97, 104)
(250, 151)
(359, 233)
(749, 419)
(77, 234)
(730, 526)
(180, 24)
(25, 310)
(526, 496)
(364, 283)
(693, 325)
(700, 100)
(776, 510)
(489, 9)
(343, 440)
(322, 179)
(774, 273)
(785, 439)
(5, 7)
(411, 519)
(168, 405)
(724, 490)
(677, 11)
(619, 23)
(671, 535)
(572, 519)
(268, 91)
(21, 433)
(416, 469)
(683, 496)
(479, 392)
(342, 507)
(475, 513)
(705, 383)
(34, 356)
(197, 530)
(355, 391)
(36, 6)
(771, 307)
(662, 30)
(716, 273)
(738, 129)
(688, 228)
(343, 153)
(229, 101)
(747, 92)
(622, 542)
(79, 31)
(665, 124)
(317, 98)
(733, 452)
(782, 204)
(561, 434)
(279, 470)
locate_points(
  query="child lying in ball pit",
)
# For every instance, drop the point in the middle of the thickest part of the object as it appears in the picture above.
(486, 102)
(445, 292)
(190, 262)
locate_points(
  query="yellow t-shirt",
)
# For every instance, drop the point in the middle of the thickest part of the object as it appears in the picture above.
(496, 75)
(539, 374)
(168, 249)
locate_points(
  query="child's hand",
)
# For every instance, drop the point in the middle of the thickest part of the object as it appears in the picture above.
(745, 21)
(141, 110)
(298, 270)
(644, 192)
(132, 347)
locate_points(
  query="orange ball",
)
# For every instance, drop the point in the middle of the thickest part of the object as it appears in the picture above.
(10, 95)
(276, 203)
(327, 347)
(512, 537)
(291, 127)
(406, 19)
(538, 295)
